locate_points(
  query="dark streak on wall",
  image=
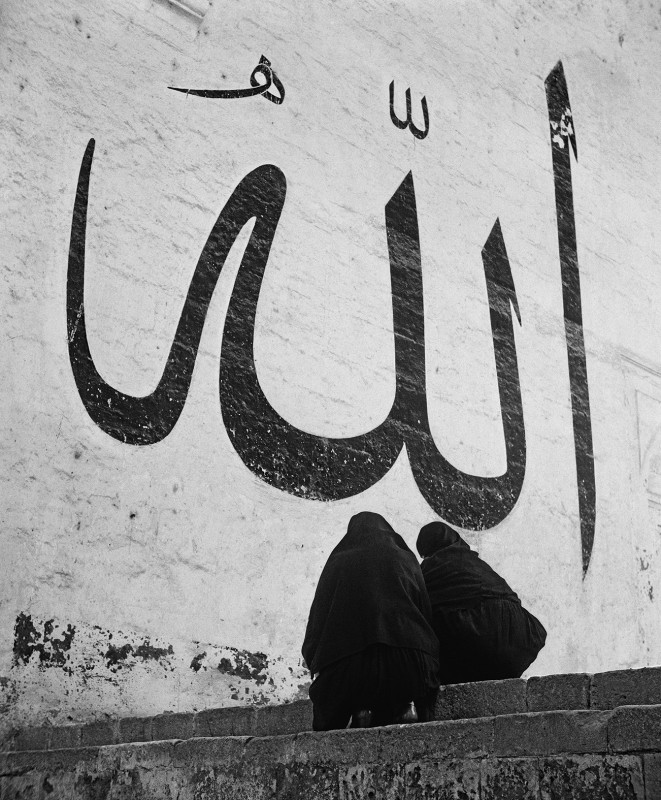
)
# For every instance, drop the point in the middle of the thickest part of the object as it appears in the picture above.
(249, 666)
(116, 656)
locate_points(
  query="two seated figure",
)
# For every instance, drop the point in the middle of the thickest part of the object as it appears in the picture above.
(383, 632)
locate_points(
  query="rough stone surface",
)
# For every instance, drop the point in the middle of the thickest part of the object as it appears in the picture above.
(634, 728)
(238, 721)
(33, 739)
(551, 692)
(452, 738)
(135, 729)
(652, 774)
(100, 733)
(627, 687)
(551, 732)
(460, 702)
(512, 778)
(484, 699)
(352, 765)
(290, 718)
(173, 726)
(592, 777)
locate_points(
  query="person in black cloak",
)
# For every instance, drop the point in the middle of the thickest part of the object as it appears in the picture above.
(369, 642)
(484, 631)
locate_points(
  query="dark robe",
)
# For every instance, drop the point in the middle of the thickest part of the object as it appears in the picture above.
(369, 632)
(483, 630)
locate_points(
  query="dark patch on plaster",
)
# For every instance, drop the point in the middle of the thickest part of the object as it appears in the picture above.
(53, 651)
(247, 665)
(116, 656)
(196, 663)
(146, 651)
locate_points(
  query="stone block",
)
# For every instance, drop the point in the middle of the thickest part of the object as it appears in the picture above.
(511, 778)
(289, 718)
(212, 784)
(482, 699)
(219, 751)
(8, 742)
(51, 760)
(450, 739)
(97, 734)
(652, 775)
(273, 750)
(591, 777)
(357, 782)
(558, 692)
(135, 729)
(551, 732)
(33, 739)
(66, 737)
(173, 726)
(438, 780)
(310, 781)
(146, 755)
(350, 746)
(235, 721)
(635, 729)
(389, 783)
(626, 687)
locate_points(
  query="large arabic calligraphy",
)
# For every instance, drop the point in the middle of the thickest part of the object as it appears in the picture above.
(284, 456)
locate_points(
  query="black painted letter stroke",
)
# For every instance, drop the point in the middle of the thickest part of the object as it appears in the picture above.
(562, 136)
(280, 454)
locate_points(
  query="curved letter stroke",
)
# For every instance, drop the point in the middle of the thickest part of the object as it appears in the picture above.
(331, 469)
(147, 420)
(286, 457)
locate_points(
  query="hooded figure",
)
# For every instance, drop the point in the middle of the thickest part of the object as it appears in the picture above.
(483, 630)
(369, 642)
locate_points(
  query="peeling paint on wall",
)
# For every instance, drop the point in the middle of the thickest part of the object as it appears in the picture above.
(52, 651)
(89, 657)
(126, 655)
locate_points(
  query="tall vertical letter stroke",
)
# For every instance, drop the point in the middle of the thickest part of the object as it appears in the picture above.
(562, 136)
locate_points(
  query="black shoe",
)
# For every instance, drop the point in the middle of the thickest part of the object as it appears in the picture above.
(406, 715)
(361, 718)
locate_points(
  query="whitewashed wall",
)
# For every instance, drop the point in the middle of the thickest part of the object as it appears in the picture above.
(186, 579)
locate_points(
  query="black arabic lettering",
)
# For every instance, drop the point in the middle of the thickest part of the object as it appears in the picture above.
(408, 122)
(290, 459)
(562, 136)
(263, 69)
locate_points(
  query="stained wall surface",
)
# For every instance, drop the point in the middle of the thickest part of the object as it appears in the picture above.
(230, 323)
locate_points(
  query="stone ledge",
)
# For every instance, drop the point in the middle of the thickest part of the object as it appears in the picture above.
(553, 754)
(603, 691)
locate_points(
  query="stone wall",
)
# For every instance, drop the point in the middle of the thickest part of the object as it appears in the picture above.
(453, 318)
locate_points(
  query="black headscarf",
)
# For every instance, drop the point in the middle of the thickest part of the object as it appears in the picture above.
(455, 576)
(371, 590)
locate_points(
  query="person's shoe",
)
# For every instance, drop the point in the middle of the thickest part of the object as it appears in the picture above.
(406, 715)
(361, 718)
